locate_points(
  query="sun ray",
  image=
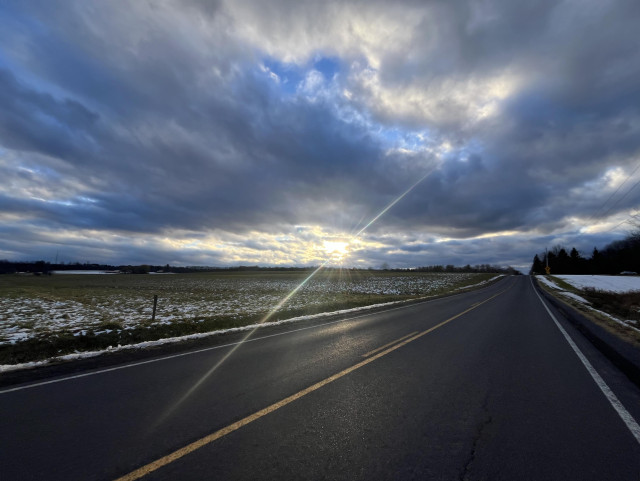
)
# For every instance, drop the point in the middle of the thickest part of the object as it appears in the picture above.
(330, 247)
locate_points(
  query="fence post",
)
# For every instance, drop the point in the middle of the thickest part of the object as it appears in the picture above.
(155, 303)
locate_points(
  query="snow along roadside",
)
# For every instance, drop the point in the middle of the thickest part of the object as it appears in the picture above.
(575, 297)
(142, 345)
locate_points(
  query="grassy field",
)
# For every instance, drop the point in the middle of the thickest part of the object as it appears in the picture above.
(46, 316)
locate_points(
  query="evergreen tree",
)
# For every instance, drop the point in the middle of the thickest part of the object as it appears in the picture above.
(563, 262)
(596, 262)
(576, 262)
(537, 267)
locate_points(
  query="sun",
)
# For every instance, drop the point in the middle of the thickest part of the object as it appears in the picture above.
(336, 250)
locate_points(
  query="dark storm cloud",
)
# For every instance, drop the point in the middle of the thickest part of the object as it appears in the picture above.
(262, 153)
(34, 121)
(244, 117)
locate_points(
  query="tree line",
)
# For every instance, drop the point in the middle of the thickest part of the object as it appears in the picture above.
(617, 257)
(477, 269)
(43, 267)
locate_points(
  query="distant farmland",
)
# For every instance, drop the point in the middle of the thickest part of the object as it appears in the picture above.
(48, 315)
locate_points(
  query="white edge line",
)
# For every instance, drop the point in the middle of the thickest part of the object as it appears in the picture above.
(626, 417)
(173, 356)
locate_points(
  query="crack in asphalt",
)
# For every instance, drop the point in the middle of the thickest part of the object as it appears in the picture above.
(488, 419)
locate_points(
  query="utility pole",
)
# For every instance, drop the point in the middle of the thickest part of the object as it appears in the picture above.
(546, 256)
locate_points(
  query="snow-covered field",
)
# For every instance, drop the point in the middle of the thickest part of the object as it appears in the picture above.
(35, 307)
(605, 283)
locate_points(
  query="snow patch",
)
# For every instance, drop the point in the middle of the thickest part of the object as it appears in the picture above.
(617, 284)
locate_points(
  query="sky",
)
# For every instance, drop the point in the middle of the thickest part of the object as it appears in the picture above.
(291, 132)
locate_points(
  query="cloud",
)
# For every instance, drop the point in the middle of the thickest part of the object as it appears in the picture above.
(246, 120)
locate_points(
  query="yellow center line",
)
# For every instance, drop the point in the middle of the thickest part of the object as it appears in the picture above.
(189, 448)
(389, 344)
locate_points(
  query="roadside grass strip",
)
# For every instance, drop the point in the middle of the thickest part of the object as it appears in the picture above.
(561, 287)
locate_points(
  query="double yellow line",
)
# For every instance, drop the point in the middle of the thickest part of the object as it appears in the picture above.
(374, 354)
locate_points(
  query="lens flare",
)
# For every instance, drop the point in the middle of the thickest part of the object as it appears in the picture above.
(331, 248)
(398, 199)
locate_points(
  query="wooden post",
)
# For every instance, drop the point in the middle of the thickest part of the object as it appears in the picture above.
(155, 303)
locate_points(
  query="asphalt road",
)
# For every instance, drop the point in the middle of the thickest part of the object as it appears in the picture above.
(482, 385)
